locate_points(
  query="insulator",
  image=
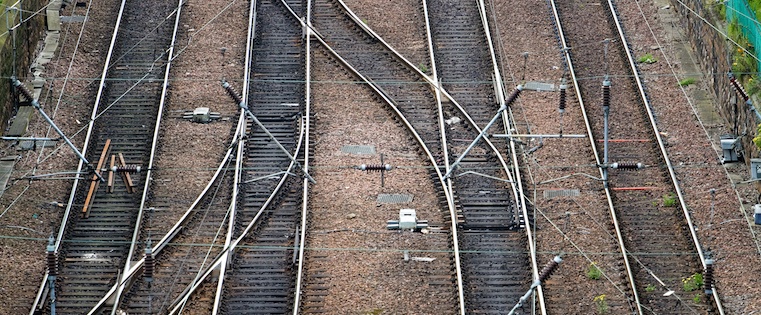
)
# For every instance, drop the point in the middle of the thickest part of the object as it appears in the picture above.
(149, 264)
(738, 87)
(561, 107)
(514, 95)
(375, 168)
(132, 168)
(231, 91)
(52, 261)
(606, 93)
(549, 268)
(22, 88)
(627, 165)
(708, 277)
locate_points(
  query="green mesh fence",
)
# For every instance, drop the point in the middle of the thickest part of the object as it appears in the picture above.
(740, 10)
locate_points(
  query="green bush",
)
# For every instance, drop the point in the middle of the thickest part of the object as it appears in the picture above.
(602, 304)
(423, 68)
(687, 81)
(647, 58)
(669, 200)
(692, 282)
(593, 272)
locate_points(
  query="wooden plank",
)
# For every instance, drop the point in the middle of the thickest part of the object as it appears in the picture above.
(125, 175)
(111, 175)
(95, 181)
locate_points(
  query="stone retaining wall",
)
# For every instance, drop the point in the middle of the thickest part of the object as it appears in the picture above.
(713, 55)
(28, 36)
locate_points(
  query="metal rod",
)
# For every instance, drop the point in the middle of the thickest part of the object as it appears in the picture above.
(29, 138)
(37, 106)
(484, 175)
(499, 135)
(494, 119)
(242, 104)
(293, 159)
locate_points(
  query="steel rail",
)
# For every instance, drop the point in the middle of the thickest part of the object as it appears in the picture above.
(168, 237)
(432, 83)
(403, 119)
(438, 89)
(230, 224)
(241, 142)
(448, 166)
(592, 142)
(151, 159)
(305, 193)
(88, 137)
(177, 304)
(661, 146)
(499, 89)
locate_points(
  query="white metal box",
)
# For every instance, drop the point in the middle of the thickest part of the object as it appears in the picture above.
(201, 115)
(407, 219)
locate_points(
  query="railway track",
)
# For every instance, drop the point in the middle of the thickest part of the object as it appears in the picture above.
(395, 82)
(494, 231)
(263, 273)
(256, 233)
(125, 116)
(484, 207)
(660, 250)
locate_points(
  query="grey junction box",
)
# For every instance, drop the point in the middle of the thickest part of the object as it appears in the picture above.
(730, 146)
(755, 169)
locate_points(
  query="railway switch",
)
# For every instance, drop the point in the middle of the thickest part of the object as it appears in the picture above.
(407, 221)
(730, 146)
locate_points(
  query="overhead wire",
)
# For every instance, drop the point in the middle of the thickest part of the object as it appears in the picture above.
(32, 171)
(697, 116)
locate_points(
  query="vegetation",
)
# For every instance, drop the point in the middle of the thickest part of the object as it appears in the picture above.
(757, 139)
(376, 311)
(696, 298)
(669, 200)
(423, 68)
(744, 65)
(650, 288)
(647, 58)
(601, 304)
(593, 272)
(687, 81)
(693, 282)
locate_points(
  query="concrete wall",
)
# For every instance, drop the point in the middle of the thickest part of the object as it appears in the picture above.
(27, 42)
(713, 53)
